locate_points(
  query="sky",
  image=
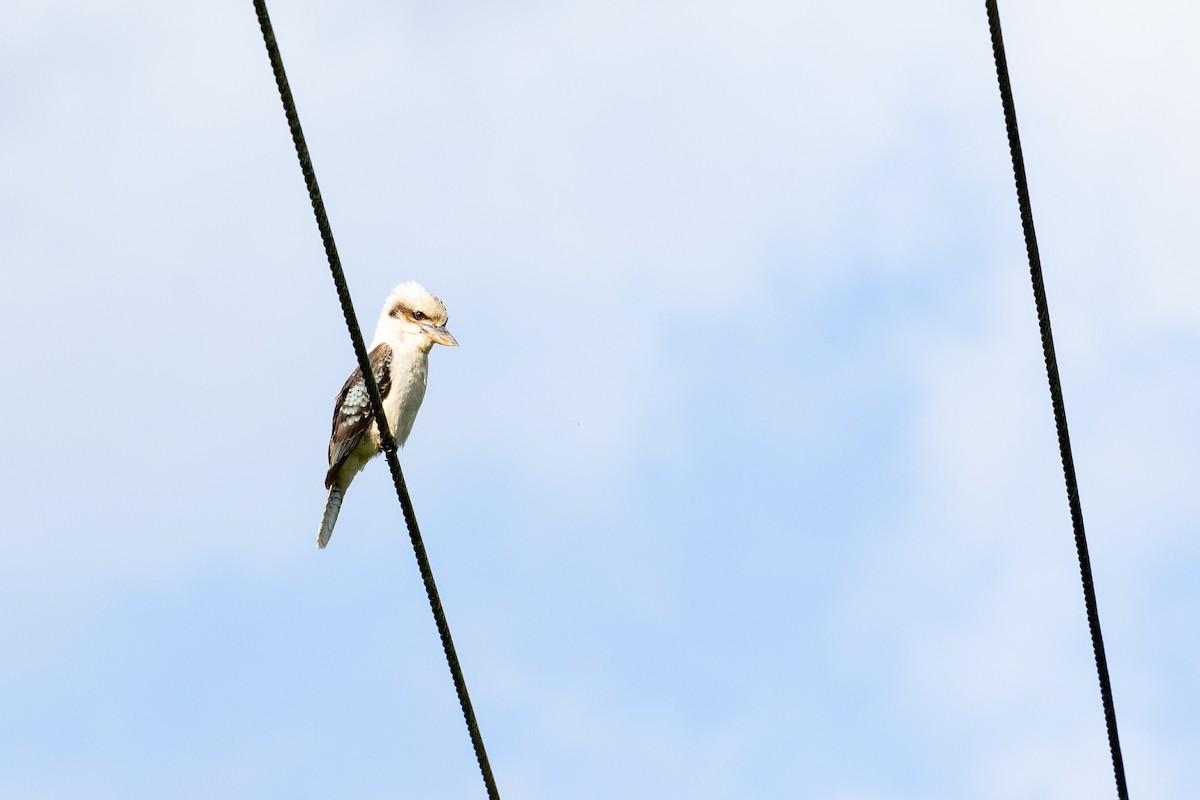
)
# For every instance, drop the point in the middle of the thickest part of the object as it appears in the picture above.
(743, 482)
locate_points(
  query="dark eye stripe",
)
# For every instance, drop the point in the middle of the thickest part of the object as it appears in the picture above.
(400, 311)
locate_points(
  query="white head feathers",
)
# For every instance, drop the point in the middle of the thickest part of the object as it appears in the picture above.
(412, 310)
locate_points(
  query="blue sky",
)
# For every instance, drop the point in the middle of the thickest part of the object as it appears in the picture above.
(743, 482)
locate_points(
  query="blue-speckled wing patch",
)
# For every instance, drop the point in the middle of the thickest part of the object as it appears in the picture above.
(352, 415)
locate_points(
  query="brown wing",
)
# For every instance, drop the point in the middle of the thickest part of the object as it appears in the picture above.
(352, 415)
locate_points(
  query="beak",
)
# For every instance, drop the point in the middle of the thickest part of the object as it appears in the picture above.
(438, 333)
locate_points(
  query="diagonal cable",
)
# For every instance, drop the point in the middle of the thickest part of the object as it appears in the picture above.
(387, 441)
(1056, 396)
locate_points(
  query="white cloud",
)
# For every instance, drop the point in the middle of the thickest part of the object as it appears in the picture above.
(764, 249)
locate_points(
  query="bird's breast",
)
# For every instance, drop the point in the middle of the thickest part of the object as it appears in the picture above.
(409, 376)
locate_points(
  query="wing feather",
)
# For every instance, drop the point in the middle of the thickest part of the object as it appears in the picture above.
(352, 416)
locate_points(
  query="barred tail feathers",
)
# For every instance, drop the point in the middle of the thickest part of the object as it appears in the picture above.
(333, 504)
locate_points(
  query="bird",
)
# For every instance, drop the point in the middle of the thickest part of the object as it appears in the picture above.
(411, 323)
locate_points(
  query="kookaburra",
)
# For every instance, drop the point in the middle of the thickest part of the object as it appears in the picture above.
(412, 322)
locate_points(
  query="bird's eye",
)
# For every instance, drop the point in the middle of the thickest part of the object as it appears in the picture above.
(418, 315)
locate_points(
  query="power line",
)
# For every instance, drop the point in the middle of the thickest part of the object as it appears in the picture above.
(387, 442)
(1056, 396)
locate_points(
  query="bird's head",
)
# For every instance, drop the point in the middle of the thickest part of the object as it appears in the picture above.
(412, 314)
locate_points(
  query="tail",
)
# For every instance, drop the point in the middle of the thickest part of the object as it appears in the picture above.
(333, 504)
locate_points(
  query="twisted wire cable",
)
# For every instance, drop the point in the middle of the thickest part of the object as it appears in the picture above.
(387, 440)
(1056, 396)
